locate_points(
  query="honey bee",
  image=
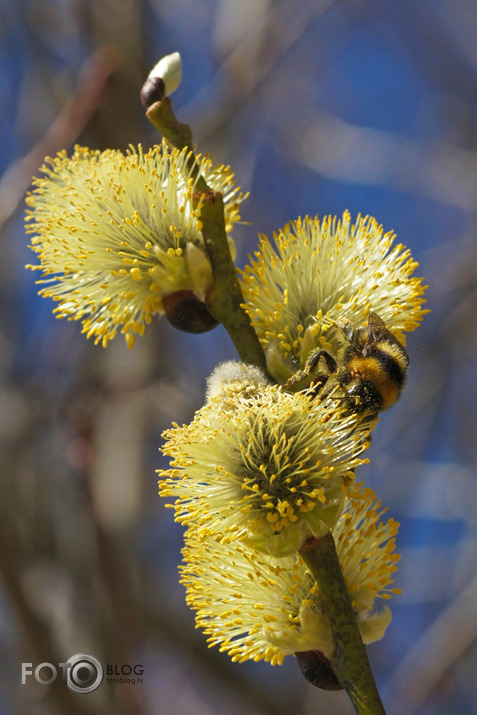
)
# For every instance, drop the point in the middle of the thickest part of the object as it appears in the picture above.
(370, 367)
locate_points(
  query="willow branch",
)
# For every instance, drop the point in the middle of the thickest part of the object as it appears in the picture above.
(350, 661)
(224, 300)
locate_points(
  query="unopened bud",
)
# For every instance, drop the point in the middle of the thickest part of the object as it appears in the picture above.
(186, 312)
(163, 79)
(317, 670)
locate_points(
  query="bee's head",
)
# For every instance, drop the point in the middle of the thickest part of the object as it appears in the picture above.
(363, 396)
(352, 339)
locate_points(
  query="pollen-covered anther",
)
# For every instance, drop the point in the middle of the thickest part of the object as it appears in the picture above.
(280, 610)
(279, 479)
(351, 269)
(107, 240)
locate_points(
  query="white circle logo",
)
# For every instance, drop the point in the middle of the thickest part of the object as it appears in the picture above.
(85, 673)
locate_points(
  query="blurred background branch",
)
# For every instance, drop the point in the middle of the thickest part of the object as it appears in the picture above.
(73, 118)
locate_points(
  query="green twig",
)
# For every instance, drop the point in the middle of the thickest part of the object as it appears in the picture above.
(162, 116)
(224, 300)
(350, 661)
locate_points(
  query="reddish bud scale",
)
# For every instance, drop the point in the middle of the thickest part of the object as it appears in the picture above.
(317, 670)
(186, 312)
(153, 90)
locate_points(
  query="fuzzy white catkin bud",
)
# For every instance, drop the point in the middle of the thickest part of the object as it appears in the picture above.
(233, 371)
(169, 69)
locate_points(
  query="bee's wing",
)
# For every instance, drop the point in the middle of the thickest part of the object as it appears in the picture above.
(376, 330)
(347, 329)
(376, 325)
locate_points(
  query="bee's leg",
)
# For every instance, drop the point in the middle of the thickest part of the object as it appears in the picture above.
(298, 381)
(314, 359)
(310, 375)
